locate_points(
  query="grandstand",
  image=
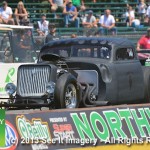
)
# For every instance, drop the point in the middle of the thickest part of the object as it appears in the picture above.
(118, 8)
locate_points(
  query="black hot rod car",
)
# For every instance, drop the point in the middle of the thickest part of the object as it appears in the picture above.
(82, 72)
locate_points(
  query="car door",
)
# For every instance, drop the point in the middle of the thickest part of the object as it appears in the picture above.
(129, 76)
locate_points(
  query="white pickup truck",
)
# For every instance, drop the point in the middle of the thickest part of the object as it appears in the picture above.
(16, 47)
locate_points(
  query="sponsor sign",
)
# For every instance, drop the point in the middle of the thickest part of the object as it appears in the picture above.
(125, 125)
(63, 132)
(11, 137)
(2, 127)
(32, 132)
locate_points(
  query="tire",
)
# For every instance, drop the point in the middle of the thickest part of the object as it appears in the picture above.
(66, 93)
(146, 72)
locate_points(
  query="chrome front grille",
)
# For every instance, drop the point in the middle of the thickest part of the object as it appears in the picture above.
(32, 80)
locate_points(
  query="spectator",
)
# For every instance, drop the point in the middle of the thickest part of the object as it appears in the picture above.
(141, 10)
(73, 36)
(43, 26)
(136, 23)
(25, 42)
(107, 23)
(25, 47)
(42, 6)
(144, 42)
(130, 16)
(52, 34)
(71, 14)
(148, 14)
(57, 4)
(79, 4)
(89, 21)
(6, 14)
(21, 14)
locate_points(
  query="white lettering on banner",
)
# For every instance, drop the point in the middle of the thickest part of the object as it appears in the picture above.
(59, 119)
(64, 135)
(147, 140)
(1, 121)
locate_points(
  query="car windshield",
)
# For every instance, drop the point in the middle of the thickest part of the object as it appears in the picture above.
(102, 52)
(16, 46)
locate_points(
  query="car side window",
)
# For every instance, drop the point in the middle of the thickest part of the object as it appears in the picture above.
(84, 52)
(104, 52)
(124, 54)
(5, 50)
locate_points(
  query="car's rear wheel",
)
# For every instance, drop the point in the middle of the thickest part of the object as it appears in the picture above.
(66, 92)
(147, 83)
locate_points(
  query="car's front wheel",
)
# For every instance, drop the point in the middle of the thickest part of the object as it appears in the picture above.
(71, 98)
(66, 92)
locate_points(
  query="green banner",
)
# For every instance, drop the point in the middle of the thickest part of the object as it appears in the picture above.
(2, 128)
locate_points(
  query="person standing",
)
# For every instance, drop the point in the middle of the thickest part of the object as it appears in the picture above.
(52, 34)
(107, 23)
(70, 14)
(6, 14)
(144, 42)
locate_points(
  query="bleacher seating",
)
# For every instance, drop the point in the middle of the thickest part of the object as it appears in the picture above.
(118, 8)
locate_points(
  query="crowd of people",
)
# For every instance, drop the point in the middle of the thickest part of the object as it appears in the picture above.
(20, 14)
(71, 10)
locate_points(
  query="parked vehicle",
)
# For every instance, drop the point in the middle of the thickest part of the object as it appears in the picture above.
(16, 47)
(82, 72)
